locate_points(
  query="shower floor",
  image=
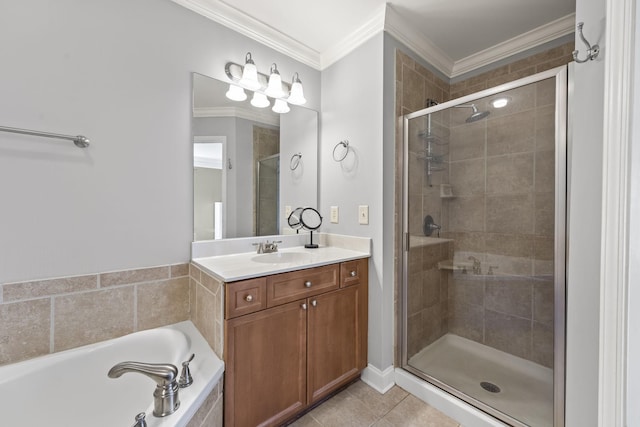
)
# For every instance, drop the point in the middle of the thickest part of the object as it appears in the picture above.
(526, 388)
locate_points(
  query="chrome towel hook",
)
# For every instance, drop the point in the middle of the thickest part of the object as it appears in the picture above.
(592, 51)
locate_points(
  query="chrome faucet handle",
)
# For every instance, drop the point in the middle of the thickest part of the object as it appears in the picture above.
(185, 377)
(260, 246)
(140, 421)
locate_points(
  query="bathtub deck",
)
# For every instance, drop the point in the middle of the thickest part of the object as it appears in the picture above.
(526, 388)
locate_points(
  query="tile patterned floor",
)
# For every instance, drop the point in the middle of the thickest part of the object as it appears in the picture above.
(361, 406)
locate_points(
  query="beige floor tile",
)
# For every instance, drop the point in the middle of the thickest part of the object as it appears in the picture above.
(344, 410)
(305, 421)
(412, 412)
(379, 404)
(382, 423)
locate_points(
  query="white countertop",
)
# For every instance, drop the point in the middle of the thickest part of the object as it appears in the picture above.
(230, 268)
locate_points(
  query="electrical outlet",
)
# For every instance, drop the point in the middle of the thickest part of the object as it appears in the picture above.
(287, 211)
(334, 214)
(363, 214)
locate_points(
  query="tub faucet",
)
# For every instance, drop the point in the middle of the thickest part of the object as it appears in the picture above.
(477, 268)
(165, 396)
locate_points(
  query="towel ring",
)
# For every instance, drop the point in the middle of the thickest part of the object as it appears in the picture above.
(345, 144)
(295, 161)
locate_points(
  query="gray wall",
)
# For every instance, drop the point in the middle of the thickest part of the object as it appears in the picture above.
(120, 73)
(352, 105)
(585, 206)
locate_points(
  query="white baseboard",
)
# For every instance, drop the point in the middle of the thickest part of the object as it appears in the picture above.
(381, 381)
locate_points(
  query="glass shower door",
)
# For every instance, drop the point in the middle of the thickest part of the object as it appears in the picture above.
(483, 291)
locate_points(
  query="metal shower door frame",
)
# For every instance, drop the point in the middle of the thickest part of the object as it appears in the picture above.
(562, 159)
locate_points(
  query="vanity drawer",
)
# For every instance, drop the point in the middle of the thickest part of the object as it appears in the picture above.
(247, 296)
(353, 272)
(286, 287)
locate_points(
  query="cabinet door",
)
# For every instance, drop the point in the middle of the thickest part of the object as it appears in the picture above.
(265, 377)
(335, 337)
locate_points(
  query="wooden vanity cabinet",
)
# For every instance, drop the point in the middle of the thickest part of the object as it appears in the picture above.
(282, 359)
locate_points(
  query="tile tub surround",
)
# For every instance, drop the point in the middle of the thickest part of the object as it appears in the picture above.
(46, 316)
(210, 412)
(206, 295)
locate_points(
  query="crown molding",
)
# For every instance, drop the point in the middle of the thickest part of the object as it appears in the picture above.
(363, 33)
(236, 20)
(396, 26)
(384, 19)
(536, 37)
(253, 114)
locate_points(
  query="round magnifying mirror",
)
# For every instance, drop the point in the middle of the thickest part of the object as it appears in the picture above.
(311, 219)
(307, 219)
(294, 219)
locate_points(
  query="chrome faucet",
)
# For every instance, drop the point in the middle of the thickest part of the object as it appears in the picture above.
(477, 267)
(267, 247)
(165, 396)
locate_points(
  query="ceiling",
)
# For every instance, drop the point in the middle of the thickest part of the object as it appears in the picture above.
(455, 36)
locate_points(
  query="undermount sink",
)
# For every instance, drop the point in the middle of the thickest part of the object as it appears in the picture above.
(282, 258)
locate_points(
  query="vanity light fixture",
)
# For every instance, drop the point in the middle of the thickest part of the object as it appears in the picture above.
(259, 100)
(250, 74)
(500, 102)
(274, 89)
(296, 97)
(236, 93)
(280, 107)
(248, 77)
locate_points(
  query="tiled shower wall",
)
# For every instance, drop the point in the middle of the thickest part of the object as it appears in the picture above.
(532, 334)
(502, 174)
(428, 287)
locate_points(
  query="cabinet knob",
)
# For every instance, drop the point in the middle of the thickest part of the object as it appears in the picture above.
(248, 298)
(307, 284)
(303, 306)
(353, 273)
(314, 303)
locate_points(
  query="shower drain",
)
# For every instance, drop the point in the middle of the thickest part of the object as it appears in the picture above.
(490, 387)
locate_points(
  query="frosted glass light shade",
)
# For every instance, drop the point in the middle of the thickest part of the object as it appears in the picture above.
(259, 100)
(280, 107)
(249, 77)
(297, 96)
(274, 89)
(236, 93)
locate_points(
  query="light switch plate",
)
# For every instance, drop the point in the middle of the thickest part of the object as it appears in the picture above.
(334, 214)
(287, 211)
(363, 214)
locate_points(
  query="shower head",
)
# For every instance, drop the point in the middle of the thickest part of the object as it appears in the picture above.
(475, 115)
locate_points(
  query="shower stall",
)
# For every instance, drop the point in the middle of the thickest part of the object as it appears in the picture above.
(483, 263)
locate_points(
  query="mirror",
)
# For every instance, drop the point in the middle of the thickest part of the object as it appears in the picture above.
(250, 164)
(307, 219)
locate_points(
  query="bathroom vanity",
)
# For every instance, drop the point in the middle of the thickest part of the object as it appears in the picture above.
(295, 330)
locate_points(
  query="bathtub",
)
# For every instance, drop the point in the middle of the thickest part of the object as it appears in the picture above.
(71, 388)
